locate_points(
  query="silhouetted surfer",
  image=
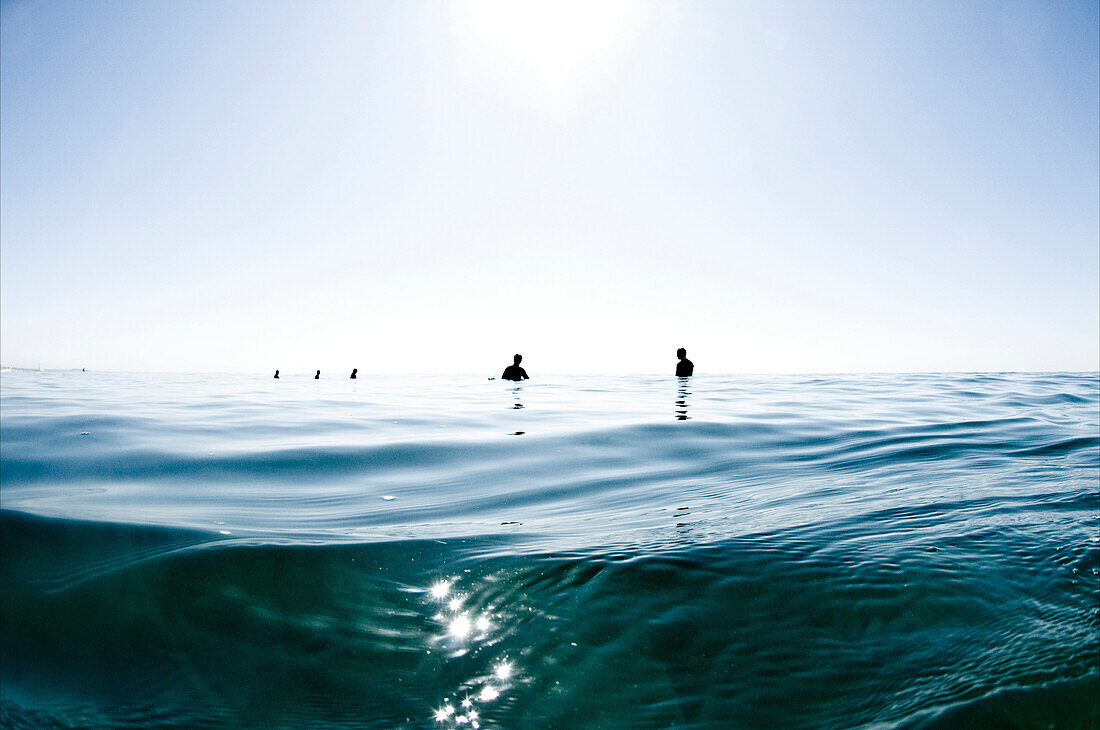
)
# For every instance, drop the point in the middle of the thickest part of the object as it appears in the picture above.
(514, 371)
(276, 374)
(317, 376)
(685, 367)
(353, 372)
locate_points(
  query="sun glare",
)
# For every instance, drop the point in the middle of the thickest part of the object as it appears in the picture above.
(555, 41)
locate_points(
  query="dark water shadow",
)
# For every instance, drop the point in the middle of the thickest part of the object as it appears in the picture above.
(682, 399)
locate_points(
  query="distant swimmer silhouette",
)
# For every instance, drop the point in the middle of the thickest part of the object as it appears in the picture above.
(353, 372)
(276, 374)
(317, 376)
(685, 367)
(514, 371)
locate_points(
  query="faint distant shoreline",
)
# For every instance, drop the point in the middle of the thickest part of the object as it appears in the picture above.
(5, 368)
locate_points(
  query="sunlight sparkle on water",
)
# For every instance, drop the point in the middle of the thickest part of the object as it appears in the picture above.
(460, 627)
(464, 629)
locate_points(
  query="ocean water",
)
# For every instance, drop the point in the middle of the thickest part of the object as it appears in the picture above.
(871, 551)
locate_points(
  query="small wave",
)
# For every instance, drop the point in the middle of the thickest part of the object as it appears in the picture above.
(1060, 448)
(373, 633)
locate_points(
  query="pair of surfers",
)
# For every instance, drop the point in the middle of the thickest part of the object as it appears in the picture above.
(684, 368)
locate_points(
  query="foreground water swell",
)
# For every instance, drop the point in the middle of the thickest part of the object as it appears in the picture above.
(848, 551)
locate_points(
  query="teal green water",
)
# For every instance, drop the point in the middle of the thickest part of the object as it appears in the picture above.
(849, 551)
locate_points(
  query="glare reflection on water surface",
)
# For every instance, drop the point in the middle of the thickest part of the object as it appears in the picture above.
(463, 630)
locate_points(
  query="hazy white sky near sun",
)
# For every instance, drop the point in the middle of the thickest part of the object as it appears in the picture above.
(431, 187)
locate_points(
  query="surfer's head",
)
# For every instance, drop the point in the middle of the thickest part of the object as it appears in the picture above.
(516, 359)
(681, 353)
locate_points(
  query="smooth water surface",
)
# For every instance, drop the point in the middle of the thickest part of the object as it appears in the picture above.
(582, 552)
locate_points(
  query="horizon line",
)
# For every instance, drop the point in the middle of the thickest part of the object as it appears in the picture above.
(309, 374)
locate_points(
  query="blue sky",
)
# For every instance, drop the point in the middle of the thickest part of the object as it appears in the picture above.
(431, 187)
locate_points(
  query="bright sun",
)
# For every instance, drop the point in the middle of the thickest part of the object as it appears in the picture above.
(555, 41)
